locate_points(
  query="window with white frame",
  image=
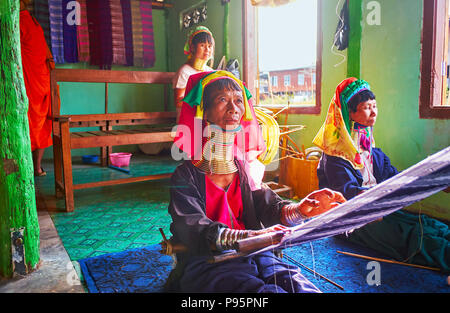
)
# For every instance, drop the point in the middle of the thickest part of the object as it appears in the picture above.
(301, 79)
(278, 52)
(275, 81)
(287, 80)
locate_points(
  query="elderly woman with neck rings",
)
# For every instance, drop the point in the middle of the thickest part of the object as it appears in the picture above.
(351, 164)
(213, 204)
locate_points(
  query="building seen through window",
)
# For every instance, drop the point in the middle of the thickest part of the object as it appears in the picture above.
(287, 54)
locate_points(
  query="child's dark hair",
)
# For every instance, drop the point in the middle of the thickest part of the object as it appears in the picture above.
(360, 97)
(220, 84)
(202, 37)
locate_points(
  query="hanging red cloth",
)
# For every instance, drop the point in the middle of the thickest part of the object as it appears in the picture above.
(36, 73)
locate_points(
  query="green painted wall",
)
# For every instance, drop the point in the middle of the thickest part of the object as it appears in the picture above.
(390, 62)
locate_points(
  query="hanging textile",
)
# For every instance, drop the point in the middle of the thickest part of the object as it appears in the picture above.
(127, 31)
(100, 33)
(138, 52)
(148, 45)
(118, 40)
(69, 32)
(83, 34)
(56, 30)
(94, 33)
(42, 16)
(105, 34)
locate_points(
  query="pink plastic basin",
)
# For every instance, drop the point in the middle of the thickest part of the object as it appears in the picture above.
(120, 159)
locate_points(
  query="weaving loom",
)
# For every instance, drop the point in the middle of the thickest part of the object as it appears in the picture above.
(414, 184)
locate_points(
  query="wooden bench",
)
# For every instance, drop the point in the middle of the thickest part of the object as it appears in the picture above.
(154, 127)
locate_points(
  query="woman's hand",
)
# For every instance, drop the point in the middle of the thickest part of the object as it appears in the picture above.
(320, 201)
(274, 228)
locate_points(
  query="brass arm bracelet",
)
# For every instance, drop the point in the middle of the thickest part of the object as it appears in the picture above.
(226, 238)
(292, 215)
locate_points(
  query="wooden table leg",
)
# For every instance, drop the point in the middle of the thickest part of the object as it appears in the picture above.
(57, 164)
(67, 166)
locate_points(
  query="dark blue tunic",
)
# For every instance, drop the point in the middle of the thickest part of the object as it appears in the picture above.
(338, 174)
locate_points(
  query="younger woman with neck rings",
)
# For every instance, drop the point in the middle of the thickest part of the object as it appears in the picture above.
(200, 50)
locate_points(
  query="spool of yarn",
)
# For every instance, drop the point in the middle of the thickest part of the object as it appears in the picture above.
(270, 133)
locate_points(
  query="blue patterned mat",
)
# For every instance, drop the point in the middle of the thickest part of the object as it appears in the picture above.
(358, 275)
(139, 270)
(145, 270)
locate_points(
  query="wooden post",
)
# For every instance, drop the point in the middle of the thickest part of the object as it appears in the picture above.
(17, 193)
(67, 165)
(355, 35)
